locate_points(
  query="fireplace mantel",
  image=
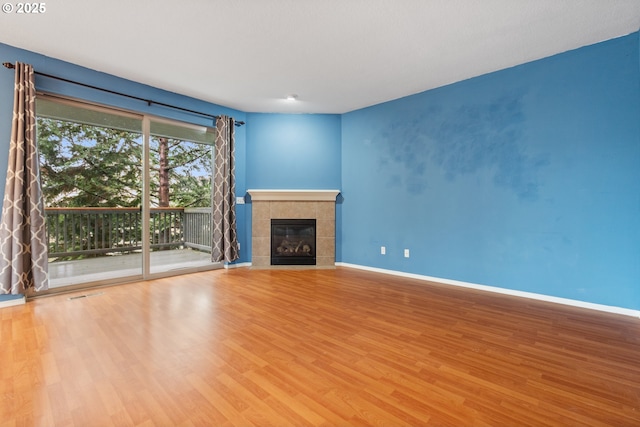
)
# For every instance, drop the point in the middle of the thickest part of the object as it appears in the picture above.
(294, 195)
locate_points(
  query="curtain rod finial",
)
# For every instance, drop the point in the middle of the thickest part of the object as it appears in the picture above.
(8, 65)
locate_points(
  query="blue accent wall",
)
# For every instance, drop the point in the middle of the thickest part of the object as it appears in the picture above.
(60, 68)
(527, 178)
(294, 151)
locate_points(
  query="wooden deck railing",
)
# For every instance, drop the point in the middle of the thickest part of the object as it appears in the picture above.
(75, 232)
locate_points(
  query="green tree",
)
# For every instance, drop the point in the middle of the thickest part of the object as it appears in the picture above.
(180, 173)
(90, 166)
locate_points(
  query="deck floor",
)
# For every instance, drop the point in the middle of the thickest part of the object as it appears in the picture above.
(66, 273)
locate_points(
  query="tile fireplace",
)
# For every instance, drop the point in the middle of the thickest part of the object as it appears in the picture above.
(276, 205)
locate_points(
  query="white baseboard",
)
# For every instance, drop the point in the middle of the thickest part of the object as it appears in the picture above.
(13, 301)
(238, 265)
(512, 292)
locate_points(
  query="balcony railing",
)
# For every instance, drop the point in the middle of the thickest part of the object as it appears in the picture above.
(82, 232)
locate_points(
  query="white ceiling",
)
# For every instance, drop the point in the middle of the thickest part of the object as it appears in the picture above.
(336, 55)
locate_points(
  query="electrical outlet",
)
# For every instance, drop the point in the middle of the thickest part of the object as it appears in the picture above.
(239, 200)
(383, 250)
(406, 253)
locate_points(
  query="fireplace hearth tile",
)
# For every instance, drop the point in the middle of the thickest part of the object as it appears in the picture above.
(261, 245)
(326, 228)
(261, 211)
(326, 210)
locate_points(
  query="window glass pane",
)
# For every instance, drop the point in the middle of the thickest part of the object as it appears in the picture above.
(181, 165)
(180, 170)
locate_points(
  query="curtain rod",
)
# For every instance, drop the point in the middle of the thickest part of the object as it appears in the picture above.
(148, 101)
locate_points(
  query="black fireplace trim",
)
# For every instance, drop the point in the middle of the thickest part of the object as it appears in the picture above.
(292, 259)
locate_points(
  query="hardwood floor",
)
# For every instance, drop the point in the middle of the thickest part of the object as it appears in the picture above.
(313, 348)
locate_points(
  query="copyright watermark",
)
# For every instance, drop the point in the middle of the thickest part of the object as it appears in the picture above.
(25, 8)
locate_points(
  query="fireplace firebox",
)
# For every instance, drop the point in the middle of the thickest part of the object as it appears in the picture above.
(293, 242)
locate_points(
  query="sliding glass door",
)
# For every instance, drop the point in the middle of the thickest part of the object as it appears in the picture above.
(181, 167)
(91, 169)
(126, 196)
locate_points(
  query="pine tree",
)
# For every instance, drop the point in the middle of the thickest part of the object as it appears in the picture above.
(180, 173)
(89, 166)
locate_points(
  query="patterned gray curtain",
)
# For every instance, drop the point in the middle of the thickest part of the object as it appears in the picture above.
(225, 238)
(23, 248)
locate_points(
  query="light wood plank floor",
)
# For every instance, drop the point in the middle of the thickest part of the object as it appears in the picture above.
(336, 347)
